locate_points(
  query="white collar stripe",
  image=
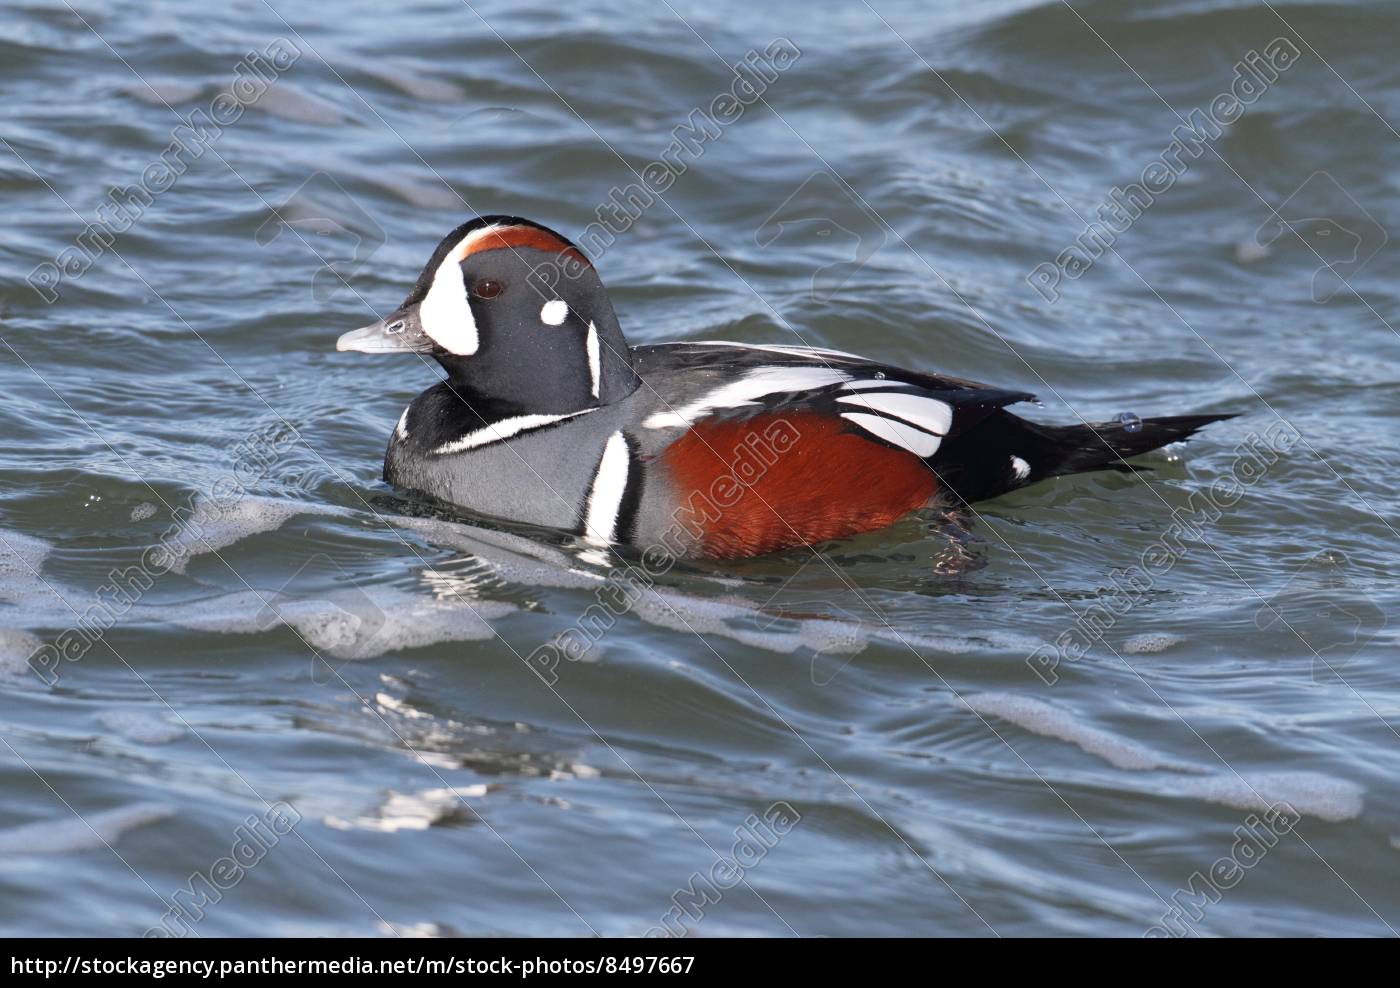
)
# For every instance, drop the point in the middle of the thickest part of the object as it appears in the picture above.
(605, 496)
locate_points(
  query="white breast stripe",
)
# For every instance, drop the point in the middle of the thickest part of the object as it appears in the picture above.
(755, 384)
(1020, 468)
(594, 370)
(605, 497)
(927, 413)
(916, 441)
(445, 314)
(504, 429)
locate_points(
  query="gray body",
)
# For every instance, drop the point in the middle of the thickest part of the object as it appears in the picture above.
(544, 476)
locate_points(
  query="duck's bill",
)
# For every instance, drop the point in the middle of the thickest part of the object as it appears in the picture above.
(400, 333)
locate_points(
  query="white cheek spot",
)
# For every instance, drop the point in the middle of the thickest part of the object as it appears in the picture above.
(554, 312)
(1020, 468)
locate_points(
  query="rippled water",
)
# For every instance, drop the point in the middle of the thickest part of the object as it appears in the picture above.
(989, 724)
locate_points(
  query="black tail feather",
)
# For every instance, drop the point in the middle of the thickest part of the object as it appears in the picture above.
(1005, 452)
(1105, 445)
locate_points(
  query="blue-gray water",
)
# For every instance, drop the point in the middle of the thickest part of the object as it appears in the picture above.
(1021, 730)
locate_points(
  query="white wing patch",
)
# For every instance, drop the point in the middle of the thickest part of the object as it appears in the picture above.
(916, 441)
(745, 391)
(401, 430)
(1020, 468)
(504, 429)
(917, 422)
(928, 414)
(594, 367)
(875, 383)
(806, 352)
(605, 496)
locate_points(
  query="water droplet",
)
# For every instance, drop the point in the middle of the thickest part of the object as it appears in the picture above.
(879, 375)
(1130, 422)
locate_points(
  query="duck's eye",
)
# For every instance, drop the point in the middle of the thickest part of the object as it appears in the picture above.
(488, 289)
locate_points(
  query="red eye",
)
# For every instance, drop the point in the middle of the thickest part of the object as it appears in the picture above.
(488, 289)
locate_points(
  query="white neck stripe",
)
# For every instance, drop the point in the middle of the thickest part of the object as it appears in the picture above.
(594, 368)
(504, 429)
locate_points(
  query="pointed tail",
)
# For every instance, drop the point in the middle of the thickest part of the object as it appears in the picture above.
(1005, 452)
(1105, 445)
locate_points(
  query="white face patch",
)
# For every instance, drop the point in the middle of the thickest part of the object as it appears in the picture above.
(554, 312)
(445, 313)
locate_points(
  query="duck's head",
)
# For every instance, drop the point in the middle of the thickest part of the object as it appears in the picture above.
(515, 314)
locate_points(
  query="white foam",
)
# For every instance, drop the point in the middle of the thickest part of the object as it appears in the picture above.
(511, 557)
(1039, 717)
(412, 811)
(234, 613)
(16, 647)
(834, 637)
(143, 511)
(684, 613)
(1308, 793)
(1147, 644)
(213, 525)
(349, 624)
(140, 726)
(405, 620)
(21, 561)
(67, 833)
(290, 102)
(958, 644)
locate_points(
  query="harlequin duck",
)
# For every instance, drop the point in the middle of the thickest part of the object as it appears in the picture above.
(706, 449)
